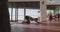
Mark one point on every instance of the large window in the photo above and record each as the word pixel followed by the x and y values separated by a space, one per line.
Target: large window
pixel 16 14
pixel 10 12
pixel 57 12
pixel 50 12
pixel 13 15
pixel 20 14
pixel 33 12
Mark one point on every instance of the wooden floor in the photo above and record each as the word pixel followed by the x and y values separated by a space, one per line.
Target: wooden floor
pixel 43 27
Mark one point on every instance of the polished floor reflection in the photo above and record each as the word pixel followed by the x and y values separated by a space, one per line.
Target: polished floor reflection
pixel 43 27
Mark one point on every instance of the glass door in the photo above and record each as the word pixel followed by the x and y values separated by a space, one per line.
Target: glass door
pixel 20 14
